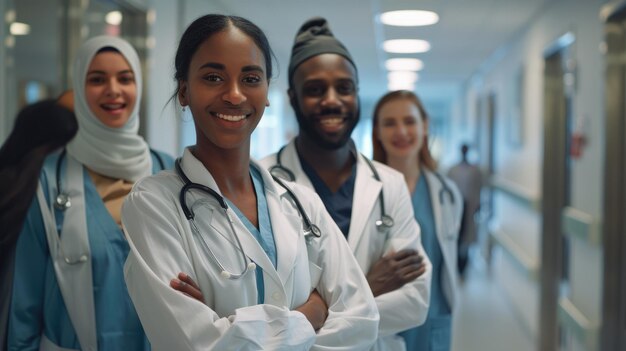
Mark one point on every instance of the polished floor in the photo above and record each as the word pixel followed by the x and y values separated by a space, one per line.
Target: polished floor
pixel 485 321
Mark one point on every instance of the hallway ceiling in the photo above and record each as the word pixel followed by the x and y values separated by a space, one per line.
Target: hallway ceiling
pixel 468 32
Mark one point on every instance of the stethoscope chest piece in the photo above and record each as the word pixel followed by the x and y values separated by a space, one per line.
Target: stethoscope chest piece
pixel 385 222
pixel 62 202
pixel 313 230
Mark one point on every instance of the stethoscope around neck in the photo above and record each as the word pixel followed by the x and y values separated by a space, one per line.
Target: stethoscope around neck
pixel 448 217
pixel 309 227
pixel 63 201
pixel 384 223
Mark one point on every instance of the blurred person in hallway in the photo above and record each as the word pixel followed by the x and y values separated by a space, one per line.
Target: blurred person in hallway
pixel 368 200
pixel 70 253
pixel 468 179
pixel 400 140
pixel 39 130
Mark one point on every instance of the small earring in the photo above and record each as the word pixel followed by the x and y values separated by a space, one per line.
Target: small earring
pixel 267 103
pixel 183 109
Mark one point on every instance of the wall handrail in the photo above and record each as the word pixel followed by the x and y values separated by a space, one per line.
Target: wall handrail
pixel 582 225
pixel 516 192
pixel 579 325
pixel 529 265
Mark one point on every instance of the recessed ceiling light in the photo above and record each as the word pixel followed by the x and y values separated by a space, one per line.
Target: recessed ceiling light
pixel 404 64
pixel 409 18
pixel 402 76
pixel 113 18
pixel 18 28
pixel 406 46
pixel 401 86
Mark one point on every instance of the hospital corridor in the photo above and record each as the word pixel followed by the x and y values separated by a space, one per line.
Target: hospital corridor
pixel 410 175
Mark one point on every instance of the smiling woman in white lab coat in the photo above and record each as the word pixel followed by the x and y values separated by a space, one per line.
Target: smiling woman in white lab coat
pixel 237 232
pixel 400 138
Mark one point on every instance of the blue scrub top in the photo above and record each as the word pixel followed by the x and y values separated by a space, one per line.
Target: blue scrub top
pixel 338 204
pixel 37 305
pixel 264 234
pixel 435 333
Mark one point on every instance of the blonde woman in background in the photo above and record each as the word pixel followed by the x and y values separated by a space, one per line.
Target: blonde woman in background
pixel 400 140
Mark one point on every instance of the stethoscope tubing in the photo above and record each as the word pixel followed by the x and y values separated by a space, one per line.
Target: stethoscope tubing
pixel 63 200
pixel 384 223
pixel 189 185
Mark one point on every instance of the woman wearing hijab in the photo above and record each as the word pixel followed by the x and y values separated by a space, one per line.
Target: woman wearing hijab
pixel 69 290
pixel 400 139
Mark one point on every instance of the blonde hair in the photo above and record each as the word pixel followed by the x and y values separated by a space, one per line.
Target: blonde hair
pixel 380 155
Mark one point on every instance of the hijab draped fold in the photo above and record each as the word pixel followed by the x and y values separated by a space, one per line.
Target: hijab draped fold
pixel 118 153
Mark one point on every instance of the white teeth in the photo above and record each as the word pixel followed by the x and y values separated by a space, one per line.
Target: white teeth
pixel 112 106
pixel 331 121
pixel 230 118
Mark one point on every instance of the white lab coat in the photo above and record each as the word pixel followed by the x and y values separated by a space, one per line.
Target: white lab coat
pixel 447 224
pixel 163 244
pixel 403 308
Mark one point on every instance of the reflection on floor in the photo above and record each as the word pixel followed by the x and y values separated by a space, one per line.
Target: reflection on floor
pixel 485 321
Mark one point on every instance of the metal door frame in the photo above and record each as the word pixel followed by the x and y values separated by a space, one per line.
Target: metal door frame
pixel 553 192
pixel 613 329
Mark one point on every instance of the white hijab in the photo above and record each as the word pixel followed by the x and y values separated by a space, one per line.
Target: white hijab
pixel 114 152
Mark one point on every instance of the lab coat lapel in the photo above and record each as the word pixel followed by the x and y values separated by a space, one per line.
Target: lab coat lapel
pixel 291 160
pixel 286 228
pixel 435 187
pixel 365 197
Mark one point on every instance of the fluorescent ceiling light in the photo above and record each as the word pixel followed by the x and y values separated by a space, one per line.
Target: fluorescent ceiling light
pixel 409 18
pixel 18 28
pixel 400 86
pixel 404 64
pixel 113 18
pixel 406 46
pixel 402 76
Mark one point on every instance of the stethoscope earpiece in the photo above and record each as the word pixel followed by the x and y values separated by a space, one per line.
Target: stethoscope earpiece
pixel 225 275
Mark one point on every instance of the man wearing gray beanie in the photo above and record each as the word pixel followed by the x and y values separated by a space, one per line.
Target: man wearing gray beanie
pixel 368 201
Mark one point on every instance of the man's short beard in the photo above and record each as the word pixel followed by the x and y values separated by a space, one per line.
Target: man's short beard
pixel 310 131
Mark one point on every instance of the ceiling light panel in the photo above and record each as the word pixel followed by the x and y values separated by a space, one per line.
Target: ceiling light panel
pixel 402 76
pixel 18 28
pixel 114 18
pixel 404 64
pixel 391 86
pixel 406 46
pixel 409 18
